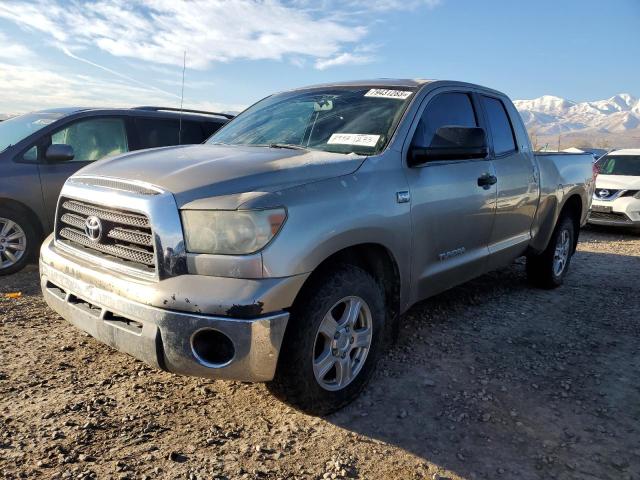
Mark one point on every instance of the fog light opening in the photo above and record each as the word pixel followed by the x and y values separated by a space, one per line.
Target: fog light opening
pixel 212 348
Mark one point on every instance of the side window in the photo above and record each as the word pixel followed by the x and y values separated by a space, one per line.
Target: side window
pixel 94 138
pixel 501 129
pixel 31 155
pixel 447 109
pixel 157 133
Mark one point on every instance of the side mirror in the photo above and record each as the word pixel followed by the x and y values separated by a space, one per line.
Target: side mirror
pixel 59 152
pixel 452 143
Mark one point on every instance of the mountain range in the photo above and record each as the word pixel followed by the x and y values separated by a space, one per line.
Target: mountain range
pixel 614 122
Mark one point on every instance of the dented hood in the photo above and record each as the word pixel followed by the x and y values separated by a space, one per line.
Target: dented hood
pixel 196 172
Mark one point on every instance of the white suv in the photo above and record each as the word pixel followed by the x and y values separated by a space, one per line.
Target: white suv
pixel 616 200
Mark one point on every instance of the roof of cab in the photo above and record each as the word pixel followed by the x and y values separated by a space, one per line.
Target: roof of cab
pixel 377 82
pixel 396 82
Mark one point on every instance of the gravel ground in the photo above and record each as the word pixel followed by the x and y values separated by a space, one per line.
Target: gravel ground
pixel 493 379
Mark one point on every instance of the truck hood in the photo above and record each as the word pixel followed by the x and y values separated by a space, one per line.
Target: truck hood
pixel 618 182
pixel 195 172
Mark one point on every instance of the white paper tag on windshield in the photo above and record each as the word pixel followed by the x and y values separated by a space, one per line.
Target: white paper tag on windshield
pixel 387 93
pixel 354 139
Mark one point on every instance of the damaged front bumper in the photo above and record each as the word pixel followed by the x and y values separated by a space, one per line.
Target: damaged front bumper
pixel 159 322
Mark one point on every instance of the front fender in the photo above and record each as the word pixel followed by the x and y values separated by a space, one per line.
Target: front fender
pixel 326 217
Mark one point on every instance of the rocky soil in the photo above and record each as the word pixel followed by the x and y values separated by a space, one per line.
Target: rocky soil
pixel 493 379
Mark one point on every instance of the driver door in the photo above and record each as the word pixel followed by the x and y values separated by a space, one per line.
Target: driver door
pixel 452 209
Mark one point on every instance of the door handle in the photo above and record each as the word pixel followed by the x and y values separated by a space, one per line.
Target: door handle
pixel 485 181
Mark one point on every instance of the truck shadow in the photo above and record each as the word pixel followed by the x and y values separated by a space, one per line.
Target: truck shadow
pixel 496 378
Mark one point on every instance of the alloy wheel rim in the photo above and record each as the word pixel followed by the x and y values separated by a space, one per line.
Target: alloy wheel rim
pixel 342 343
pixel 13 243
pixel 561 254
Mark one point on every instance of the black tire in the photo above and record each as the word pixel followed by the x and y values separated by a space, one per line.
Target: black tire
pixel 541 270
pixel 31 241
pixel 295 382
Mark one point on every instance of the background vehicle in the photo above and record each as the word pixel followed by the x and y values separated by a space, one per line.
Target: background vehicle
pixel 39 150
pixel 285 248
pixel 616 201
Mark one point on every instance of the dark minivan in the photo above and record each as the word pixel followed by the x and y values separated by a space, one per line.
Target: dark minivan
pixel 40 150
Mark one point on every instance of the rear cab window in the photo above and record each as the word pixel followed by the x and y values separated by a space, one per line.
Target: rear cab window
pixel 500 124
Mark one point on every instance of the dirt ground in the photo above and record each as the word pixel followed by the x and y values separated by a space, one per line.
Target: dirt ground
pixel 493 379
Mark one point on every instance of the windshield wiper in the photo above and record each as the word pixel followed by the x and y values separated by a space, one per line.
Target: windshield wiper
pixel 287 145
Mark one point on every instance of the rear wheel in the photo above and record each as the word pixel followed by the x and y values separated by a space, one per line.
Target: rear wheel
pixel 548 269
pixel 332 342
pixel 17 241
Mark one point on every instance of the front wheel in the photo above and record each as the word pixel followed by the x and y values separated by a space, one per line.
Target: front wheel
pixel 332 342
pixel 548 269
pixel 17 241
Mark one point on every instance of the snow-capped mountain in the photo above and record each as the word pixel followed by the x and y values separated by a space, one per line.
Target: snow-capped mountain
pixel 550 115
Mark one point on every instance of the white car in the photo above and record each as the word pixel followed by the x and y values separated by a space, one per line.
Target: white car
pixel 616 200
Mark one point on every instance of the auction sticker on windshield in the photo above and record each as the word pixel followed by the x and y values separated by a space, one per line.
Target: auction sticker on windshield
pixel 387 93
pixel 354 139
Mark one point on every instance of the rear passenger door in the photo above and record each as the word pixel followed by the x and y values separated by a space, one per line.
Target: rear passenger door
pixel 518 191
pixel 451 213
pixel 165 132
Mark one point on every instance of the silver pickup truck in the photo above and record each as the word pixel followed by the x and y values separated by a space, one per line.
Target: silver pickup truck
pixel 286 248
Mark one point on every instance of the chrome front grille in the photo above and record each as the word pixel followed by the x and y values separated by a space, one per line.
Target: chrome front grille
pixel 111 215
pixel 611 216
pixel 121 236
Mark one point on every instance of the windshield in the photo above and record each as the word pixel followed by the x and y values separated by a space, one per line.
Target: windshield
pixel 619 165
pixel 336 119
pixel 20 127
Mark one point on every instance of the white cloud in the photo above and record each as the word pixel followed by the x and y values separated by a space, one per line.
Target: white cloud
pixel 159 31
pixel 210 30
pixel 35 88
pixel 153 35
pixel 343 59
pixel 14 51
pixel 360 7
pixel 386 5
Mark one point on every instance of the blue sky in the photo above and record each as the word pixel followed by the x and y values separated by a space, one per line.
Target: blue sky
pixel 129 52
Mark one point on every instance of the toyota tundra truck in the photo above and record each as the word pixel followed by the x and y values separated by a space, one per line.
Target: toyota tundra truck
pixel 286 248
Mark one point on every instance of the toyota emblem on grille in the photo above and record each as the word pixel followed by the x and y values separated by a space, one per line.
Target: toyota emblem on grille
pixel 93 228
pixel 604 193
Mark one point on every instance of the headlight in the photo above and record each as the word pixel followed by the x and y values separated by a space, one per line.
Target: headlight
pixel 227 232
